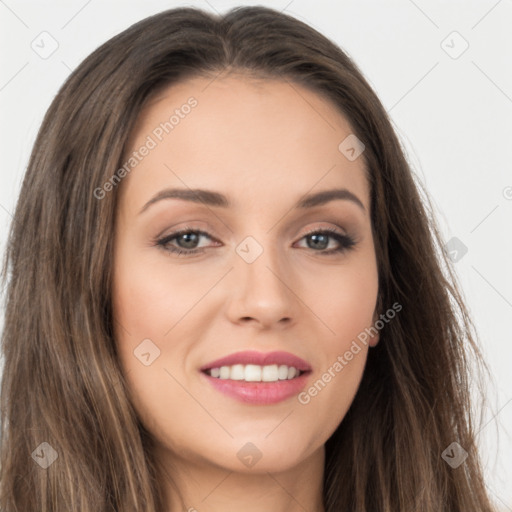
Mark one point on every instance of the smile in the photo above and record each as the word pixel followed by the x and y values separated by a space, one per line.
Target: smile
pixel 255 373
pixel 258 378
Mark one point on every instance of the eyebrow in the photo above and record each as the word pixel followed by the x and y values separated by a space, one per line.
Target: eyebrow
pixel 211 198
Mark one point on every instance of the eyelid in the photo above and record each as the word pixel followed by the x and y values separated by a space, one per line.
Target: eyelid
pixel 330 229
pixel 181 231
pixel 206 232
pixel 344 241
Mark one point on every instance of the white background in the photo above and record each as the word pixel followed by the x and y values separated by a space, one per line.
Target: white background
pixel 453 115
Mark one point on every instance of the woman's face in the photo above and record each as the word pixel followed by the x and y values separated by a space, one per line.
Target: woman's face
pixel 258 273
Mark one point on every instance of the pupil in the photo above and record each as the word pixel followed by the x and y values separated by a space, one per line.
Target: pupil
pixel 314 239
pixel 188 241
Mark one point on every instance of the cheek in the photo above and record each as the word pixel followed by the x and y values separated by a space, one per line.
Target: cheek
pixel 344 300
pixel 146 307
pixel 159 303
pixel 148 302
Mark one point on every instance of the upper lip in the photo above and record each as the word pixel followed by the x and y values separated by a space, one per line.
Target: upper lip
pixel 259 358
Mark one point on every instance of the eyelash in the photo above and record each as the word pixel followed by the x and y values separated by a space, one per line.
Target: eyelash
pixel 346 242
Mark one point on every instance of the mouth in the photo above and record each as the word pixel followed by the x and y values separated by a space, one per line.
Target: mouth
pixel 258 378
pixel 255 373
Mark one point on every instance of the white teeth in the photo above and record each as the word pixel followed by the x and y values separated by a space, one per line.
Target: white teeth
pixel 255 373
pixel 283 372
pixel 237 372
pixel 270 373
pixel 252 373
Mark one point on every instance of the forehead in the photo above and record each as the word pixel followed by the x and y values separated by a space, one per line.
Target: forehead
pixel 248 137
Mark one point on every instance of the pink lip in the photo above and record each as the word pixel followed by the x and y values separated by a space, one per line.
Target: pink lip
pixel 263 393
pixel 259 358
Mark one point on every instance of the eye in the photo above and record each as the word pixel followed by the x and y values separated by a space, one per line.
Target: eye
pixel 186 241
pixel 319 239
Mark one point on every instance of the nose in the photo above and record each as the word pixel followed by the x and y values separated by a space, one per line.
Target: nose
pixel 262 292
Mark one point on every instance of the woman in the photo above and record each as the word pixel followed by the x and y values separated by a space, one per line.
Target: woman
pixel 225 291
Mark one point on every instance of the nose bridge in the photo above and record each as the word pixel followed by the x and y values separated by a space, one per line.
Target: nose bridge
pixel 261 289
pixel 259 261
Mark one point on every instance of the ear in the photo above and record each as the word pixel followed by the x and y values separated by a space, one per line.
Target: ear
pixel 372 342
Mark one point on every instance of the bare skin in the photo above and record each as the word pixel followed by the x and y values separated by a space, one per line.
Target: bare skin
pixel 264 145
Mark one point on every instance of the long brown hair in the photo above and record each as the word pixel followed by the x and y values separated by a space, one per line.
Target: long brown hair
pixel 62 384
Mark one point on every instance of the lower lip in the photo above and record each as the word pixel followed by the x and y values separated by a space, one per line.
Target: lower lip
pixel 263 393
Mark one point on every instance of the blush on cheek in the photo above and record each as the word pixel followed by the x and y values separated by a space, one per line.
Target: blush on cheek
pixel 348 315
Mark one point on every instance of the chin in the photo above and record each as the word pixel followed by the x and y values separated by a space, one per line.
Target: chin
pixel 261 455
